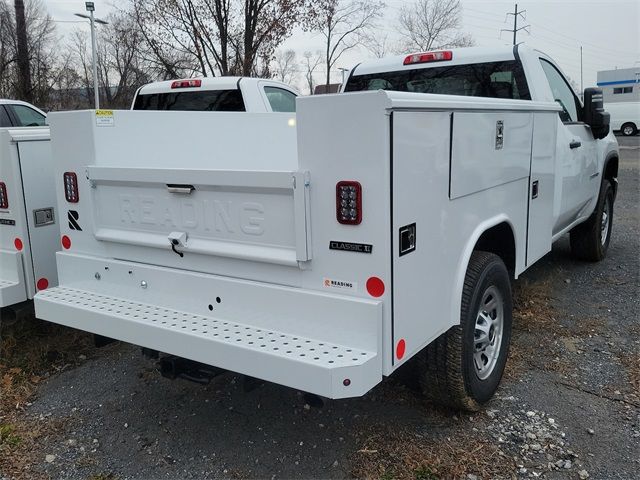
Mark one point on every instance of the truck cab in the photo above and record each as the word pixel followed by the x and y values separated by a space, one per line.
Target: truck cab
pixel 221 94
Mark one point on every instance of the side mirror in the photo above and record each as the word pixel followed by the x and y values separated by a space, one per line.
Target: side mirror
pixel 594 114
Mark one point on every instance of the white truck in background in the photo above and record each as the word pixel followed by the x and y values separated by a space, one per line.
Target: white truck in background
pixel 323 251
pixel 29 218
pixel 217 94
pixel 625 117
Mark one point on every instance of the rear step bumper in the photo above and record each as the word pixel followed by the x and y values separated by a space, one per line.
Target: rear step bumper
pixel 12 287
pixel 320 343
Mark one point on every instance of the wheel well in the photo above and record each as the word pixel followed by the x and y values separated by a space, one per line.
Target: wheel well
pixel 500 241
pixel 611 172
pixel 611 169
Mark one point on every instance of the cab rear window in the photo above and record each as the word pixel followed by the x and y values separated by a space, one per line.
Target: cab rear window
pixel 494 79
pixel 193 101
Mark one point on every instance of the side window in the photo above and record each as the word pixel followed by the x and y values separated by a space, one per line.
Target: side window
pixel 281 100
pixel 562 93
pixel 28 117
pixel 5 121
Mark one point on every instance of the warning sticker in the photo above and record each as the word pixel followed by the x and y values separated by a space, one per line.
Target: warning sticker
pixel 104 118
pixel 340 284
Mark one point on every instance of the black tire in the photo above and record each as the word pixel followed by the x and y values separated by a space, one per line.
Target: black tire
pixel 446 369
pixel 629 129
pixel 586 239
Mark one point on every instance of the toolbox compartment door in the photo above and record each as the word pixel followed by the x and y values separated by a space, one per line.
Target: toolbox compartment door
pixel 41 212
pixel 251 215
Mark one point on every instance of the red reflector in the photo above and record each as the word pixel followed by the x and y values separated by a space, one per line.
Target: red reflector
pixel 401 347
pixel 426 57
pixel 4 196
pixel 375 287
pixel 66 242
pixel 18 244
pixel 349 203
pixel 186 83
pixel 42 284
pixel 71 187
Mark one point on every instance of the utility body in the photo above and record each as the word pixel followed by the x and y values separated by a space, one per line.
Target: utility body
pixel 29 223
pixel 324 250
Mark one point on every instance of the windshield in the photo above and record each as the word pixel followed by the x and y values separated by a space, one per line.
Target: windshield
pixel 495 79
pixel 199 101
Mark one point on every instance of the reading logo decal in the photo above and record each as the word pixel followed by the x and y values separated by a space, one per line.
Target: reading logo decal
pixel 339 284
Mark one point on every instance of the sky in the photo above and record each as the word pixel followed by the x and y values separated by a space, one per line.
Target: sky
pixel 608 31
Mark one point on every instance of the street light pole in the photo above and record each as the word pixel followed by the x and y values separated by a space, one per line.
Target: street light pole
pixel 94 49
pixel 94 54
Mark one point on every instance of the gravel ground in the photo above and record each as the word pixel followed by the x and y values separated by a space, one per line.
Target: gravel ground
pixel 568 407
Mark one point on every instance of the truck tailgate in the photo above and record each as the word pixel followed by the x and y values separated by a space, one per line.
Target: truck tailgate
pixel 251 215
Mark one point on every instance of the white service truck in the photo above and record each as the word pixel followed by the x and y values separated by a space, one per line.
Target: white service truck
pixel 323 251
pixel 29 218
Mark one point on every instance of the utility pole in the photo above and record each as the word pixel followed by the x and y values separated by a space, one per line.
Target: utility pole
pixel 94 51
pixel 515 30
pixel 25 91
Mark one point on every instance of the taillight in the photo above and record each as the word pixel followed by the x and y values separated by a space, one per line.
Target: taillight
pixel 4 196
pixel 187 83
pixel 426 57
pixel 71 187
pixel 349 203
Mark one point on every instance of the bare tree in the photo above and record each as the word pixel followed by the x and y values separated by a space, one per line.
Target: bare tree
pixel 377 44
pixel 27 60
pixel 344 24
pixel 286 66
pixel 432 24
pixel 213 37
pixel 310 63
pixel 23 90
pixel 122 68
pixel 174 43
pixel 7 56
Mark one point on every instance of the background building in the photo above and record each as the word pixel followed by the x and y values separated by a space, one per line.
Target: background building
pixel 620 85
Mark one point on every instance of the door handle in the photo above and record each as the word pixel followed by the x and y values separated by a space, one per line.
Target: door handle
pixel 575 144
pixel 180 189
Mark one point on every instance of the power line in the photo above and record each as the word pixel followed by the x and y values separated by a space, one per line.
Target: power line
pixel 516 29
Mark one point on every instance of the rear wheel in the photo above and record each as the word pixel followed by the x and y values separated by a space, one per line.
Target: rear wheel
pixel 590 240
pixel 629 129
pixel 463 367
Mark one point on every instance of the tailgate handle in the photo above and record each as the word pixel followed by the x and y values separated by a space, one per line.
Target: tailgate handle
pixel 180 188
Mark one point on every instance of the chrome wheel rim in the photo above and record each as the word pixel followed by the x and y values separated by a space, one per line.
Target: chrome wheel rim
pixel 488 332
pixel 604 222
pixel 627 130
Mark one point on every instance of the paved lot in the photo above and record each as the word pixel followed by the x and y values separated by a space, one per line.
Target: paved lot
pixel 568 407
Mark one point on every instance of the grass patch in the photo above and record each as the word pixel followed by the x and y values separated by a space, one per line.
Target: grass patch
pixel 31 350
pixel 402 455
pixel 8 437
